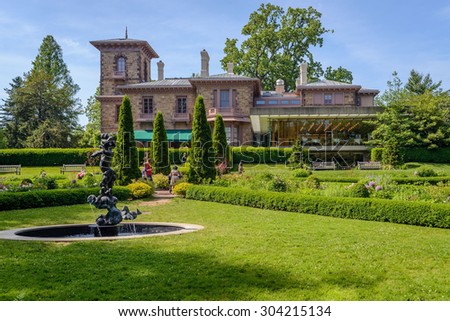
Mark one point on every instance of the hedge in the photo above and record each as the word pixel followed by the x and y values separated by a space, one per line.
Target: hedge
pixel 421 155
pixel 57 197
pixel 402 212
pixel 43 157
pixel 399 180
pixel 248 154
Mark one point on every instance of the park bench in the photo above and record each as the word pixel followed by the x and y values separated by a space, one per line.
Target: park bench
pixel 10 169
pixel 369 165
pixel 323 165
pixel 73 168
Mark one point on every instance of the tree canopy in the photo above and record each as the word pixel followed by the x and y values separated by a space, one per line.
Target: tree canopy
pixel 277 42
pixel 41 109
pixel 413 117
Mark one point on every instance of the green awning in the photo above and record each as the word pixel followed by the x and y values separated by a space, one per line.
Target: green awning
pixel 173 135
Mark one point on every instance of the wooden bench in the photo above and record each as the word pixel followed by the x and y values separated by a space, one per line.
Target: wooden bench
pixel 323 165
pixel 10 169
pixel 369 165
pixel 73 168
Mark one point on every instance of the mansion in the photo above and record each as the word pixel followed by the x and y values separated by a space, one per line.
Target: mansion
pixel 327 116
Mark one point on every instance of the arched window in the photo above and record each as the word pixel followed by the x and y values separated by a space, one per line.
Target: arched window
pixel 121 65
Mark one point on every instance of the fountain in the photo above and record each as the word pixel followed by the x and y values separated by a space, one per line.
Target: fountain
pixel 106 227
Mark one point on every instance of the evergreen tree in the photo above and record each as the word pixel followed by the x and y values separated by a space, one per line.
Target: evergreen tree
pixel 125 162
pixel 420 84
pixel 160 146
pixel 296 158
pixel 13 118
pixel 220 145
pixel 201 156
pixel 42 109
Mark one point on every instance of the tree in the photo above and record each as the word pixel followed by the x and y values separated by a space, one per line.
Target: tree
pixel 160 146
pixel 340 74
pixel 412 119
pixel 220 145
pixel 277 42
pixel 92 132
pixel 201 156
pixel 13 120
pixel 42 109
pixel 420 84
pixel 125 162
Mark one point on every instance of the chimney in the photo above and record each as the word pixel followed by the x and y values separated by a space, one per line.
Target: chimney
pixel 279 89
pixel 205 64
pixel 303 73
pixel 230 66
pixel 160 70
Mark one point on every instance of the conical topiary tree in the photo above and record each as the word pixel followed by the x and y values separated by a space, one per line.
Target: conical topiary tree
pixel 160 146
pixel 220 145
pixel 125 162
pixel 201 156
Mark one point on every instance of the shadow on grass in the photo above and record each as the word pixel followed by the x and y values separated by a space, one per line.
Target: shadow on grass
pixel 104 272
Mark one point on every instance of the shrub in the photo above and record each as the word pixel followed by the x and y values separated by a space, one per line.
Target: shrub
pixel 90 180
pixel 277 184
pixel 426 171
pixel 402 212
pixel 181 188
pixel 161 181
pixel 411 165
pixel 140 190
pixel 46 182
pixel 376 154
pixel 48 198
pixel 358 190
pixel 300 172
pixel 312 182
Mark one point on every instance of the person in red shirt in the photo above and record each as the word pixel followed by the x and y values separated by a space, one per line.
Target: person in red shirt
pixel 148 170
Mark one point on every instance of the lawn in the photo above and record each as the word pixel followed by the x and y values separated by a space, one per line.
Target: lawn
pixel 242 254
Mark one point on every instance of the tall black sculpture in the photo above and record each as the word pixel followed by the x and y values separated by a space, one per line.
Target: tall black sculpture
pixel 106 199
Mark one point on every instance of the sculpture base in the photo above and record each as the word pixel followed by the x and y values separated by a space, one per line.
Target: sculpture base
pixel 104 230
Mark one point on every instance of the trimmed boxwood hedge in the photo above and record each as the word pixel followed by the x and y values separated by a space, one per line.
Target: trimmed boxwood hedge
pixel 421 155
pixel 44 157
pixel 56 197
pixel 402 212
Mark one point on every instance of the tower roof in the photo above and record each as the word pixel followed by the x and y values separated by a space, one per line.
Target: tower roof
pixel 125 43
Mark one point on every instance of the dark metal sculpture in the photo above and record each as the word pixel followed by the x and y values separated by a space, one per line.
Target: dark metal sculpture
pixel 106 200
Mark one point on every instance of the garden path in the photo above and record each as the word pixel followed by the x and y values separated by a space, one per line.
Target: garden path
pixel 160 197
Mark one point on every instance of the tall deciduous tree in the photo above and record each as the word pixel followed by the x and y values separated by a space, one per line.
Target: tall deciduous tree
pixel 125 162
pixel 277 42
pixel 160 146
pixel 220 145
pixel 93 112
pixel 46 101
pixel 340 74
pixel 201 156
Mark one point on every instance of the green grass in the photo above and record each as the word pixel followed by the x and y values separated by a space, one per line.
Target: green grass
pixel 242 254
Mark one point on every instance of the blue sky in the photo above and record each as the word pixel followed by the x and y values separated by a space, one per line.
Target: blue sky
pixel 371 38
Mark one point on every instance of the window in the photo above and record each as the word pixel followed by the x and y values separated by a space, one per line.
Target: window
pixel 327 99
pixel 147 105
pixel 296 102
pixel 317 99
pixel 273 102
pixel 285 102
pixel 181 105
pixel 121 65
pixel 260 102
pixel 228 133
pixel 224 98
